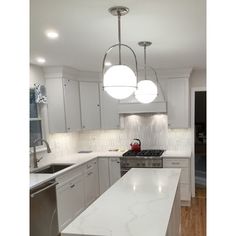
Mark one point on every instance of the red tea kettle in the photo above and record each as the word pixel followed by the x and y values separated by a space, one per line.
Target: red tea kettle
pixel 136 145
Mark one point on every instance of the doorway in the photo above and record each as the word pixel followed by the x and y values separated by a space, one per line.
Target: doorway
pixel 200 138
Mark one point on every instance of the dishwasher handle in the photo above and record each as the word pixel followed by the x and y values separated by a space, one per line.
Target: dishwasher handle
pixel 43 189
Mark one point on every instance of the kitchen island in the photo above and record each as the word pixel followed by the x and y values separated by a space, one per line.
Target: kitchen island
pixel 142 202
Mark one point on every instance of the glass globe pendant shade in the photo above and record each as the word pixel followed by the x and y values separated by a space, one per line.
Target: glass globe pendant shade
pixel 119 81
pixel 146 92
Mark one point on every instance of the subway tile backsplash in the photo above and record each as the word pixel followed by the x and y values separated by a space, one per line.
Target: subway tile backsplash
pixel 152 130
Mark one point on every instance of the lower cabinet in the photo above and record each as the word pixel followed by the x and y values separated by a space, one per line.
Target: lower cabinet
pixel 114 169
pixel 91 182
pixel 104 176
pixel 70 200
pixel 109 172
pixel 79 187
pixel 185 183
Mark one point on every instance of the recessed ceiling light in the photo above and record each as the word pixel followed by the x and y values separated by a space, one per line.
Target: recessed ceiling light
pixel 40 60
pixel 108 63
pixel 52 34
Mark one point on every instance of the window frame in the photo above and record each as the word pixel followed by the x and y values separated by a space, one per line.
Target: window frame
pixel 38 118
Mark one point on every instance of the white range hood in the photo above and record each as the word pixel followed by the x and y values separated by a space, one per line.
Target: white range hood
pixel 132 106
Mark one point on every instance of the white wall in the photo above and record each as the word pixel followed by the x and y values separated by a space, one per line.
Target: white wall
pixel 36 75
pixel 198 78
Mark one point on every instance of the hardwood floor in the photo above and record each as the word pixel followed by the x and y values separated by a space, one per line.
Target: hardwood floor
pixel 193 219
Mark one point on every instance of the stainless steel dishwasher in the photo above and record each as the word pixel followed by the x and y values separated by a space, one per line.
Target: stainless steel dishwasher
pixel 43 210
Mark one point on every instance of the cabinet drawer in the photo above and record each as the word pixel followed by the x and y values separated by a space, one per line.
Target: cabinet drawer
pixel 185 176
pixel 90 165
pixel 64 178
pixel 185 192
pixel 175 163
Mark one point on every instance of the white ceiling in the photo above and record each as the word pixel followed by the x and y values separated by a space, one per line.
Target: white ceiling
pixel 177 29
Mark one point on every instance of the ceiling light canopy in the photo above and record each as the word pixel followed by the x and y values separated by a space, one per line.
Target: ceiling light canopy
pixel 52 34
pixel 119 81
pixel 147 89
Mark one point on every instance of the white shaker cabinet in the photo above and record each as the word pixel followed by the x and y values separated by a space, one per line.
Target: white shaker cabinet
pixel 178 102
pixel 114 169
pixel 90 105
pixel 91 182
pixel 109 172
pixel 70 201
pixel 103 171
pixel 72 105
pixel 63 105
pixel 109 111
pixel 185 183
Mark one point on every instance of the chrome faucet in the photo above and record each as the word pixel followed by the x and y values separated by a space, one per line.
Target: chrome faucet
pixel 35 160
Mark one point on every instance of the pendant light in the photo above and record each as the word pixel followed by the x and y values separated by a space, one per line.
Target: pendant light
pixel 147 89
pixel 119 80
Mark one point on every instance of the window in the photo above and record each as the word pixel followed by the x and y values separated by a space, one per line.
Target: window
pixel 35 120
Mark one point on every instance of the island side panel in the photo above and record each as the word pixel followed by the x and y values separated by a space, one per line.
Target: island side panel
pixel 174 226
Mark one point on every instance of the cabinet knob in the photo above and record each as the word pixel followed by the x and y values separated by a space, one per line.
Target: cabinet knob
pixel 68 128
pixel 72 186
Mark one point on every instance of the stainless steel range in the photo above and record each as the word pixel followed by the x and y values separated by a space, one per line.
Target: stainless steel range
pixel 144 159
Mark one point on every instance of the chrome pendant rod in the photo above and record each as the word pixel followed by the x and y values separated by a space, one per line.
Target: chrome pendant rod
pixel 145 44
pixel 145 63
pixel 119 36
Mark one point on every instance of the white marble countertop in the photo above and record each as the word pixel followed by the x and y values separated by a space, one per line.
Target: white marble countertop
pixel 81 158
pixel 138 204
pixel 76 159
pixel 177 154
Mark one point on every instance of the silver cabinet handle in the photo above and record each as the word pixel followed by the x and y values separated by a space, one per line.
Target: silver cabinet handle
pixel 72 186
pixel 90 173
pixel 89 166
pixel 43 189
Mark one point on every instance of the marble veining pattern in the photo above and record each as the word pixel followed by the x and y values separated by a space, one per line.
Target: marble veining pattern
pixel 138 204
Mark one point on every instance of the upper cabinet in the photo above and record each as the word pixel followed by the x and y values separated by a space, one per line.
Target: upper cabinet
pixel 72 104
pixel 90 105
pixel 178 102
pixel 109 111
pixel 63 105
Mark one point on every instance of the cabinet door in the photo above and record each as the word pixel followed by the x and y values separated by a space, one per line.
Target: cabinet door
pixel 70 201
pixel 91 183
pixel 103 171
pixel 56 111
pixel 114 167
pixel 90 106
pixel 184 164
pixel 109 111
pixel 178 103
pixel 72 105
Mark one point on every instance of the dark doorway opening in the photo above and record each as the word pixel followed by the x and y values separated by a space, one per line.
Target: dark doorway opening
pixel 200 138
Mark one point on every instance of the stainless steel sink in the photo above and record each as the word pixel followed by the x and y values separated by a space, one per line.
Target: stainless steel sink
pixel 50 169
